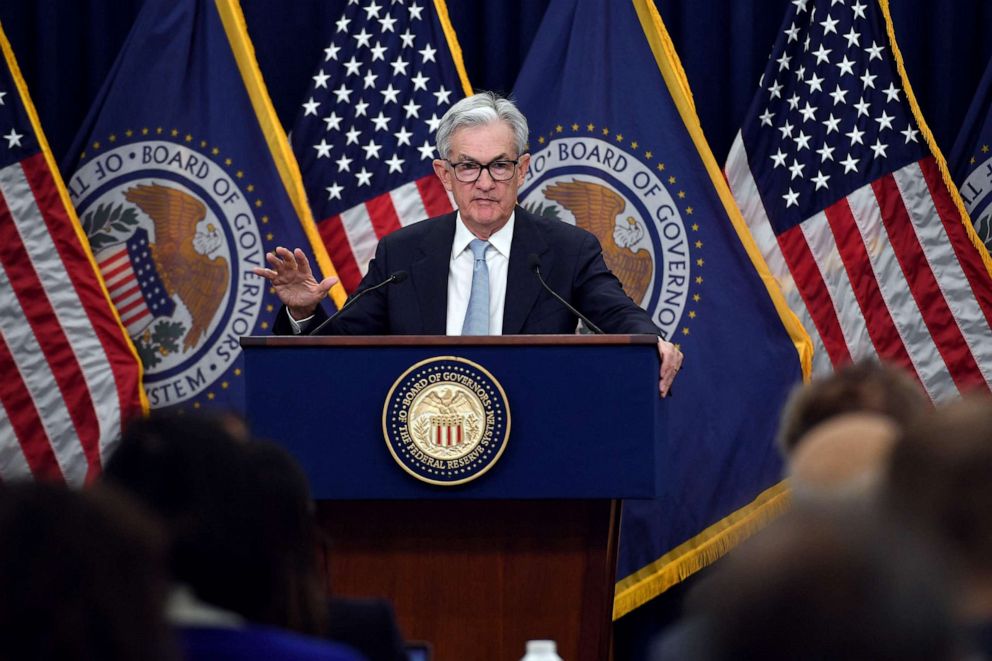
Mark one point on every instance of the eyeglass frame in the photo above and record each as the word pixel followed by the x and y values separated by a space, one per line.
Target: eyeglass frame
pixel 483 166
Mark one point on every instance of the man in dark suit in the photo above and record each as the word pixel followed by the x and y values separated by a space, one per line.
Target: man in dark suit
pixel 470 272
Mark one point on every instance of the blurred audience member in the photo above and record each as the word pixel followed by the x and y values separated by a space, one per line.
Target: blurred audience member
pixel 940 483
pixel 819 585
pixel 832 579
pixel 285 541
pixel 284 513
pixel 842 460
pixel 866 386
pixel 82 576
pixel 242 551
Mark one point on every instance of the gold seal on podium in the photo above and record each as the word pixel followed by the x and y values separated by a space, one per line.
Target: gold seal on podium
pixel 446 420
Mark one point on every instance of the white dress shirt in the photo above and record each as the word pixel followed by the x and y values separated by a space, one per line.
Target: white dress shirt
pixel 460 268
pixel 460 275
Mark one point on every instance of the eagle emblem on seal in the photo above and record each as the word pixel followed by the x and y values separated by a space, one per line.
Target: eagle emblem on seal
pixel 596 208
pixel 184 255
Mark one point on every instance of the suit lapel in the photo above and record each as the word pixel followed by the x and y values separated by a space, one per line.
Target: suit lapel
pixel 522 286
pixel 430 274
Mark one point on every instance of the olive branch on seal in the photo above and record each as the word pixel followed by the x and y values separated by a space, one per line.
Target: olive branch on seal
pixel 421 430
pixel 471 426
pixel 158 341
pixel 105 223
pixel 983 228
pixel 545 210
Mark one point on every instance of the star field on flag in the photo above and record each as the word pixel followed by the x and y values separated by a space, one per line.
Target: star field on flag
pixel 365 135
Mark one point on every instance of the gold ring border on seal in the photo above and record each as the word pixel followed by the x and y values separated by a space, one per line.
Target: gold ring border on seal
pixel 385 419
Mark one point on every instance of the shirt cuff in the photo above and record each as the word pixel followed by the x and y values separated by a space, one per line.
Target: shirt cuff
pixel 300 326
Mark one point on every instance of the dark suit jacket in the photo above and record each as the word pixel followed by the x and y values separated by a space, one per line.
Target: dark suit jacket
pixel 571 262
pixel 366 625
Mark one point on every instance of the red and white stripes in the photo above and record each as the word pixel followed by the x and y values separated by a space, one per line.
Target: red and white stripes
pixel 886 272
pixel 351 237
pixel 122 284
pixel 69 375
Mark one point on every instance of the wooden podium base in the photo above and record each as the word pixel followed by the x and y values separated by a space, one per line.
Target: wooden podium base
pixel 477 579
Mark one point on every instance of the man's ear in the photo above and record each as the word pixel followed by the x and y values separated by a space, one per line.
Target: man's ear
pixel 443 173
pixel 522 167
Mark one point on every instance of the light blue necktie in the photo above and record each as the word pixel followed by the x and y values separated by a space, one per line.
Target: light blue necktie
pixel 477 316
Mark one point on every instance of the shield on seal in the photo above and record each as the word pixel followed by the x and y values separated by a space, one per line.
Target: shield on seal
pixel 134 283
pixel 447 430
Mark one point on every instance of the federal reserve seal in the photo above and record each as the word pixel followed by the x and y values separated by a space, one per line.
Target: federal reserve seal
pixel 175 228
pixel 620 191
pixel 446 420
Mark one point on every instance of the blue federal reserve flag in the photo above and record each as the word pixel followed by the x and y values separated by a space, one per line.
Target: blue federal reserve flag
pixel 970 161
pixel 183 179
pixel 617 149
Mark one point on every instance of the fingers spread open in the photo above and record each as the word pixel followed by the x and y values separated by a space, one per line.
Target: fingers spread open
pixel 302 263
pixel 268 274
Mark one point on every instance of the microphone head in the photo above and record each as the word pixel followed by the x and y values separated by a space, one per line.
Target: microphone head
pixel 533 262
pixel 399 276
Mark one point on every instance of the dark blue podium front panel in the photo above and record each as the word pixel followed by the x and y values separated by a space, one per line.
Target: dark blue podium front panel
pixel 584 418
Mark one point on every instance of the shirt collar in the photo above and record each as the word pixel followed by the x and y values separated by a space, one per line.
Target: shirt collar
pixel 500 240
pixel 183 608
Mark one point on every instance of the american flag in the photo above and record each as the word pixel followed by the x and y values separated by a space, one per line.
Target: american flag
pixel 365 137
pixel 837 176
pixel 69 373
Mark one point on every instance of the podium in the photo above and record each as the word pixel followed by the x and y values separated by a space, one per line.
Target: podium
pixel 526 549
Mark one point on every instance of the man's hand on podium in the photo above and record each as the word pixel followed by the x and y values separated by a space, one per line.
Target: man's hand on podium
pixel 671 363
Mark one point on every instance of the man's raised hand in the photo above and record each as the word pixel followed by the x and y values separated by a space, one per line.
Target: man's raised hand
pixel 294 282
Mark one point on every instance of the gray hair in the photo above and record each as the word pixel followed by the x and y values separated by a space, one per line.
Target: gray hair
pixel 478 109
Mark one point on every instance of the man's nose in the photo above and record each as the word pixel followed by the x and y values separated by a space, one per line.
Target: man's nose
pixel 485 180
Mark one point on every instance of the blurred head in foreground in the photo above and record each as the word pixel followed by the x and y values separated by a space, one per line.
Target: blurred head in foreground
pixel 82 576
pixel 820 585
pixel 842 460
pixel 865 386
pixel 940 483
pixel 238 514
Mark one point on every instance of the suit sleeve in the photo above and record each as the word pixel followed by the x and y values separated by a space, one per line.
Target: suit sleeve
pixel 599 295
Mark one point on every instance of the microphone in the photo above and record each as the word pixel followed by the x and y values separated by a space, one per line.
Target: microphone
pixel 395 277
pixel 535 265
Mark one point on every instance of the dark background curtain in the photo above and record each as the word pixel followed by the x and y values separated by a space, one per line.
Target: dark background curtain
pixel 66 48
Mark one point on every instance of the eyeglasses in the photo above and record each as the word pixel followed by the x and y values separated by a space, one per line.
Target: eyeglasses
pixel 468 172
